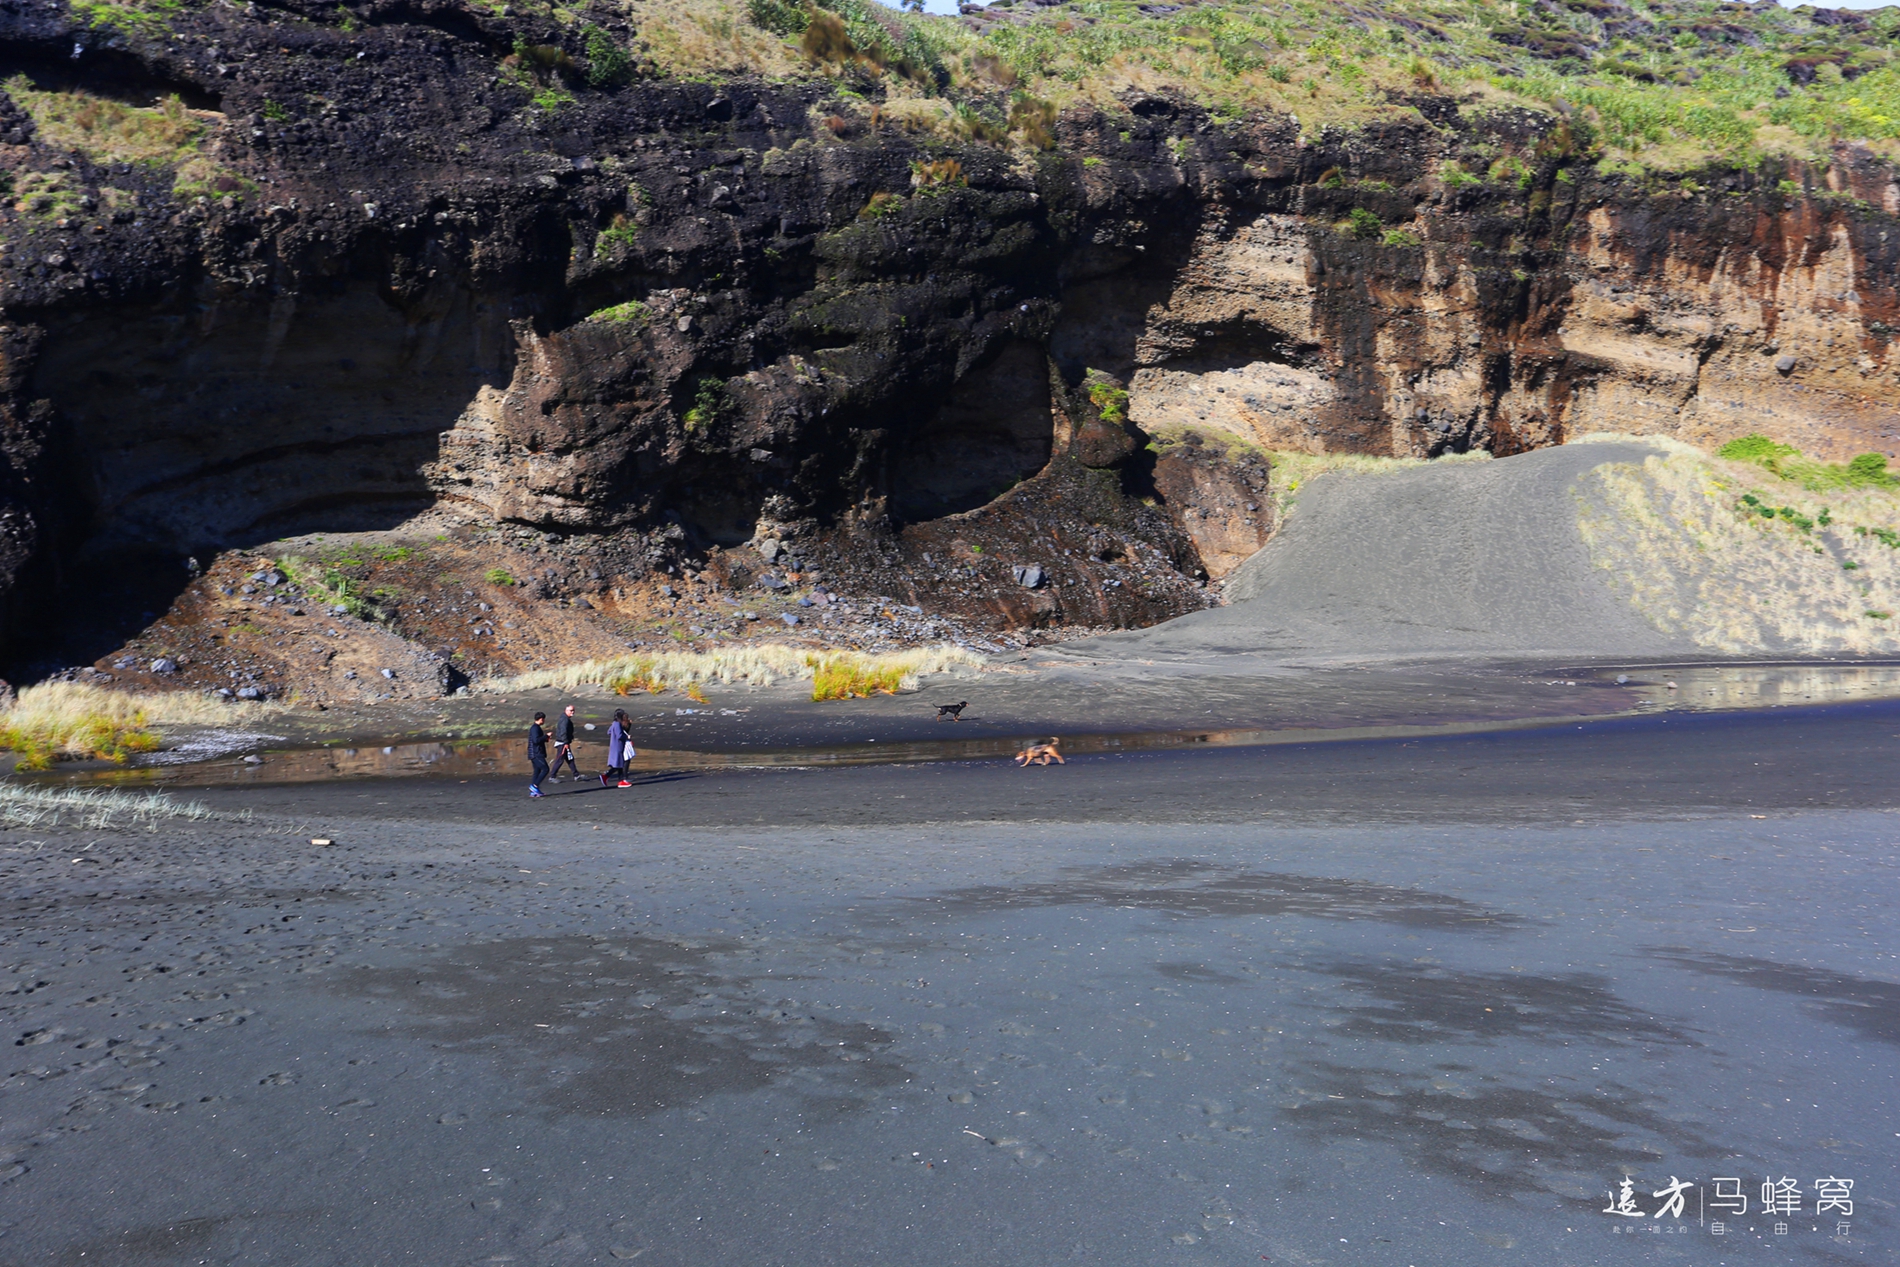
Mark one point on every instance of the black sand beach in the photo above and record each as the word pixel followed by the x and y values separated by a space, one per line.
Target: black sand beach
pixel 1404 1001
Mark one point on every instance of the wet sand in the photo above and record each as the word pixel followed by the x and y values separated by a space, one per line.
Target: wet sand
pixel 1093 707
pixel 1397 1001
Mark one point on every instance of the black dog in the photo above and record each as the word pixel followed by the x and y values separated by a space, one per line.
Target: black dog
pixel 953 711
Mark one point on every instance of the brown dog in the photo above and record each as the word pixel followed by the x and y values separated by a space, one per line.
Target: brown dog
pixel 1041 754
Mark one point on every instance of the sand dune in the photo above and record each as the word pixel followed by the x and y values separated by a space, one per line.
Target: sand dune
pixel 1620 548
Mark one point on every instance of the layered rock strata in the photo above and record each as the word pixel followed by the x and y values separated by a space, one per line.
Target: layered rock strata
pixel 384 271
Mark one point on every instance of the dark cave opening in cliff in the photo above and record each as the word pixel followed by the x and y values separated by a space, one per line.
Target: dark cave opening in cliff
pixel 213 424
pixel 993 431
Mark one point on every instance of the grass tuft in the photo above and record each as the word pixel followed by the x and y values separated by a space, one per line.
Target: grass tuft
pixel 687 671
pixel 107 130
pixel 55 720
pixel 24 806
pixel 856 677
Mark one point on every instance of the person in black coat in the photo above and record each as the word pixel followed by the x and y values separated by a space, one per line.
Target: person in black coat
pixel 537 753
pixel 564 743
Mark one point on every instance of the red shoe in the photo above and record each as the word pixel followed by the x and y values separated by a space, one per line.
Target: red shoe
pixel 624 783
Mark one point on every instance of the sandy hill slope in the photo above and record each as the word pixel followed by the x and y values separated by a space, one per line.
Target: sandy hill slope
pixel 1616 549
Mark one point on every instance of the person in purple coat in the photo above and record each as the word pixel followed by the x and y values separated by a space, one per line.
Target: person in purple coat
pixel 619 748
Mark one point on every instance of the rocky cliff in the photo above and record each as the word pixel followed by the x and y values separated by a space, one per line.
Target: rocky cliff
pixel 306 267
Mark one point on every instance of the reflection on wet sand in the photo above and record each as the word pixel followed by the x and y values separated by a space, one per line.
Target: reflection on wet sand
pixel 1636 689
pixel 1719 688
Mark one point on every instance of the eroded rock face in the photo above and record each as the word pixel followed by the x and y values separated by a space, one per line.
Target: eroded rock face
pixel 671 312
pixel 1222 499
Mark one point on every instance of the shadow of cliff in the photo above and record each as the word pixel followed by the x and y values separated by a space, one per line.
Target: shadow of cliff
pixel 212 423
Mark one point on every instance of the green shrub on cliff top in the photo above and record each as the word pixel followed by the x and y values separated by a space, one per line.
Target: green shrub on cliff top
pixel 148 18
pixel 1671 92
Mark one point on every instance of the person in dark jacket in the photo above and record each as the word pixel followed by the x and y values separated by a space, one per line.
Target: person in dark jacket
pixel 564 743
pixel 538 753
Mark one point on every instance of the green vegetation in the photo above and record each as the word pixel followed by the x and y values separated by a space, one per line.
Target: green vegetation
pixel 54 720
pixel 44 194
pixel 544 72
pixel 1756 448
pixel 1399 237
pixel 1361 223
pixel 499 576
pixel 1868 470
pixel 328 584
pixel 1108 396
pixel 881 205
pixel 708 403
pixel 110 131
pixel 1885 536
pixel 199 177
pixel 620 231
pixel 608 64
pixel 94 736
pixel 854 677
pixel 633 312
pixel 1753 505
pixel 147 18
pixel 1668 87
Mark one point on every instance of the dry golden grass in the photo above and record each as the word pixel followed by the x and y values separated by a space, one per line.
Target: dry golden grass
pixel 692 37
pixel 1697 560
pixel 1291 470
pixel 72 719
pixel 691 671
pixel 854 677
